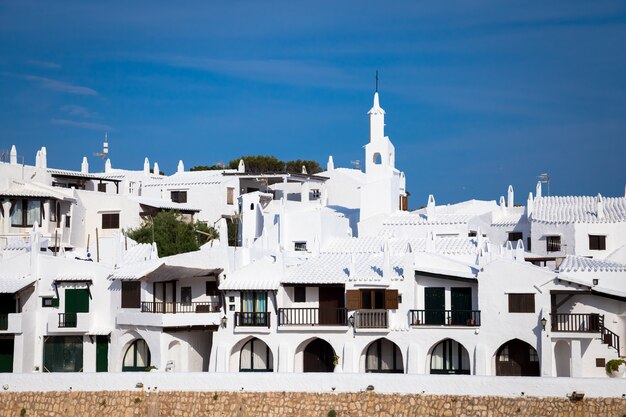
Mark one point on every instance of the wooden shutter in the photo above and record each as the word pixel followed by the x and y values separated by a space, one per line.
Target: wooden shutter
pixel 353 299
pixel 391 299
pixel 131 294
pixel 521 303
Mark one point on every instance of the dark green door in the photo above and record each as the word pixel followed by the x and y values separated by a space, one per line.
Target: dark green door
pixel 76 301
pixel 102 353
pixel 461 304
pixel 435 305
pixel 6 354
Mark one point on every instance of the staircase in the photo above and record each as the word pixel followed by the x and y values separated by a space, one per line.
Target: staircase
pixel 608 337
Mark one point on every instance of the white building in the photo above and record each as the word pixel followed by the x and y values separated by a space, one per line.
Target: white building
pixel 330 273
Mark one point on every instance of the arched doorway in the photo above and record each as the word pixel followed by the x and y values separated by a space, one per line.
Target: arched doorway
pixel 517 358
pixel 449 357
pixel 318 356
pixel 256 356
pixel 137 357
pixel 383 356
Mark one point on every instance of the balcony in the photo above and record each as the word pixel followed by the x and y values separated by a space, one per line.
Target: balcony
pixel 11 323
pixel 174 308
pixel 69 322
pixel 312 317
pixel 371 319
pixel 469 318
pixel 577 323
pixel 246 319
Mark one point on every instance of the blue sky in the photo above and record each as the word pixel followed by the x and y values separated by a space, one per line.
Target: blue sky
pixel 478 94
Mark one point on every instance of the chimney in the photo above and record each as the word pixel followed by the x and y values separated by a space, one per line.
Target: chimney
pixel 430 208
pixel 538 190
pixel 181 166
pixel 600 206
pixel 44 158
pixel 146 166
pixel 107 165
pixel 242 166
pixel 156 170
pixel 510 197
pixel 84 167
pixel 529 205
pixel 304 170
pixel 330 165
pixel 13 155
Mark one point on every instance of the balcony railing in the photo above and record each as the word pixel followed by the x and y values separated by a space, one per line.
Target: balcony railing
pixel 371 319
pixel 312 317
pixel 252 319
pixel 68 320
pixel 4 321
pixel 444 317
pixel 583 323
pixel 553 245
pixel 172 307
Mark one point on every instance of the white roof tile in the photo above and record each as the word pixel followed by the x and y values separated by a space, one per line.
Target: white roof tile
pixel 577 209
pixel 165 204
pixel 447 245
pixel 512 217
pixel 262 274
pixel 573 263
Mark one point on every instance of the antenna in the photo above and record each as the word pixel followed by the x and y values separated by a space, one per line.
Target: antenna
pixel 545 179
pixel 105 147
pixel 356 164
pixel 377 81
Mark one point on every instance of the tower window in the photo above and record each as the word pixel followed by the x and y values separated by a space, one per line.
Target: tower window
pixel 377 158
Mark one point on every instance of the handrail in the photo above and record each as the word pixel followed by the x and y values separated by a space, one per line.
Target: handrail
pixel 577 322
pixel 312 316
pixel 371 319
pixel 68 320
pixel 252 319
pixel 175 307
pixel 469 318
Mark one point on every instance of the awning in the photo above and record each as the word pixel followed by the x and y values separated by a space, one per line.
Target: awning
pixel 169 272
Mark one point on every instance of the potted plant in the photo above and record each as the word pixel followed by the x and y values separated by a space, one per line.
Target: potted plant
pixel 336 361
pixel 615 367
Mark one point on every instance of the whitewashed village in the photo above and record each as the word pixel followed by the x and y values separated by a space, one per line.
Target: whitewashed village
pixel 328 272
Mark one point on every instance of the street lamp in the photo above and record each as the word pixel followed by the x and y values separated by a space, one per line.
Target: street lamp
pixel 351 320
pixel 543 323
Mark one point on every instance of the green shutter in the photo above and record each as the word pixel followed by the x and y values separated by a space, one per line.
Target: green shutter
pixel 102 353
pixel 77 300
pixel 435 304
pixel 6 355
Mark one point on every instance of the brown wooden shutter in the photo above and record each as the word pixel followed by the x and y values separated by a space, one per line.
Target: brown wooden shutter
pixel 521 303
pixel 391 299
pixel 131 294
pixel 353 299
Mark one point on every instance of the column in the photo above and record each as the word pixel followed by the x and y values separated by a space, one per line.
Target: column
pixel 577 359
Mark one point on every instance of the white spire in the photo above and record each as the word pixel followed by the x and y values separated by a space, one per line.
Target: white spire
pixel 84 167
pixel 156 170
pixel 13 155
pixel 502 203
pixel 304 170
pixel 181 166
pixel 38 159
pixel 600 203
pixel 242 166
pixel 330 165
pixel 510 197
pixel 146 166
pixel 107 165
pixel 44 158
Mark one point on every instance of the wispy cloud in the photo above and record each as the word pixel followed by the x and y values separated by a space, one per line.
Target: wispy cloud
pixel 44 64
pixel 56 85
pixel 279 71
pixel 83 125
pixel 78 111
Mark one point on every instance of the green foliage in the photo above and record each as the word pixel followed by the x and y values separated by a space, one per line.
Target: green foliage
pixel 207 167
pixel 268 164
pixel 613 365
pixel 22 412
pixel 137 400
pixel 331 413
pixel 172 235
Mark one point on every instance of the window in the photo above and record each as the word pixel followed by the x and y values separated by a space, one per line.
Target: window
pixel 256 356
pixel 377 159
pixel 299 294
pixel 515 236
pixel 137 357
pixel 472 233
pixel 102 187
pixel 110 220
pixel 230 195
pixel 299 246
pixel 372 299
pixel 449 357
pixel 597 242
pixel 253 309
pixel 521 303
pixel 383 356
pixel 55 211
pixel 49 302
pixel 179 196
pixel 315 194
pixel 211 288
pixel 131 294
pixel 185 295
pixel 553 243
pixel 63 354
pixel 68 221
pixel 528 243
pixel 26 212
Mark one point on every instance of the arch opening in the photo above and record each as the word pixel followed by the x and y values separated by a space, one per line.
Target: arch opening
pixel 256 356
pixel 137 357
pixel 318 356
pixel 449 357
pixel 517 358
pixel 383 356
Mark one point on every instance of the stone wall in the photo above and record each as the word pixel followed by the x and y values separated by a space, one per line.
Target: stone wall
pixel 274 404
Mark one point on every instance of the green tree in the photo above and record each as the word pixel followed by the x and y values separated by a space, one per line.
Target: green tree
pixel 295 166
pixel 259 163
pixel 173 235
pixel 207 168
